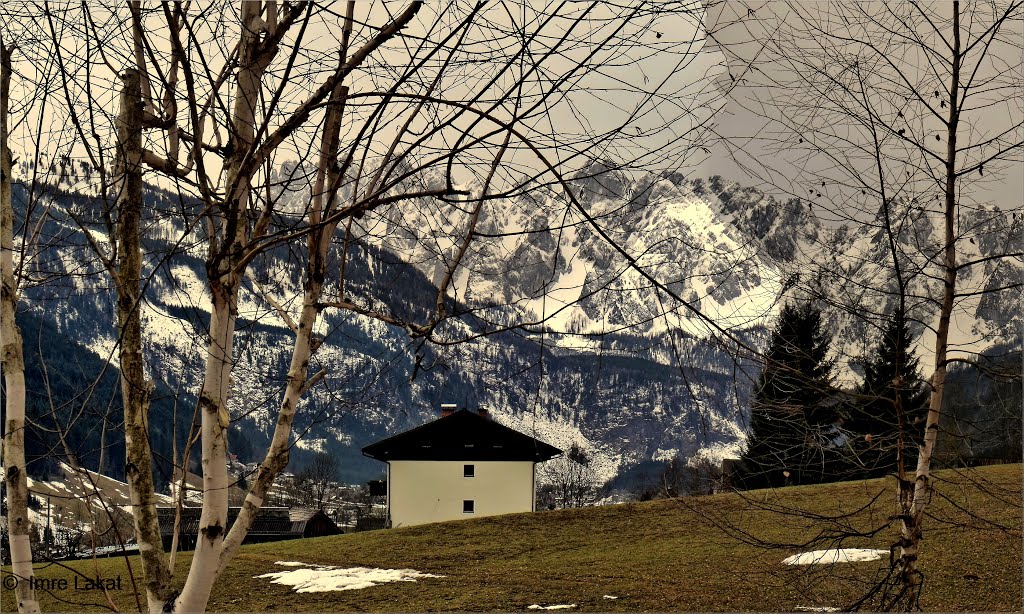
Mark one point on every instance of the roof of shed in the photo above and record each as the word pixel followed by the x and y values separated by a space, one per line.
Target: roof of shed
pixel 268 521
pixel 301 514
pixel 301 517
pixel 462 436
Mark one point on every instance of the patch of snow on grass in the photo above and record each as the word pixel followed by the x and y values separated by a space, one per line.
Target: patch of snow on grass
pixel 829 557
pixel 290 564
pixel 319 579
pixel 815 608
pixel 564 606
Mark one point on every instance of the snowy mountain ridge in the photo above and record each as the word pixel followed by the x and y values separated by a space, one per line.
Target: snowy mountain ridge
pixel 612 364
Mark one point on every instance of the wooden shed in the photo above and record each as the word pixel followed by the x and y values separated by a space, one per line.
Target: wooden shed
pixel 271 524
pixel 312 523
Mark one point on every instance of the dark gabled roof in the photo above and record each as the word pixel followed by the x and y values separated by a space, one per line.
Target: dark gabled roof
pixel 316 521
pixel 462 436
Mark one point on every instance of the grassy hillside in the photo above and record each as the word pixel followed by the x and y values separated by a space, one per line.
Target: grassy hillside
pixel 660 555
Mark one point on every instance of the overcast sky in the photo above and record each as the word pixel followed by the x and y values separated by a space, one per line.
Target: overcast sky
pixel 742 27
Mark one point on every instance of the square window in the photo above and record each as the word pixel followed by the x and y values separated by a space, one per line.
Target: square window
pixel 469 471
pixel 467 507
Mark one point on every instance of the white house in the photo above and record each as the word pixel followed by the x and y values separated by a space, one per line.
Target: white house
pixel 462 465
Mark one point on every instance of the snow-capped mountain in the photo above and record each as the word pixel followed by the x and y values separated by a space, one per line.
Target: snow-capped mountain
pixel 608 361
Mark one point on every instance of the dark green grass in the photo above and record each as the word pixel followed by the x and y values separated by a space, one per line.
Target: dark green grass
pixel 690 554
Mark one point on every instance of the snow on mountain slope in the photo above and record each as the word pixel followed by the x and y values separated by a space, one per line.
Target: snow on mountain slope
pixel 865 287
pixel 80 500
pixel 621 369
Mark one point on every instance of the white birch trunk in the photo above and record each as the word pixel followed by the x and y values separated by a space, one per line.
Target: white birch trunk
pixel 915 509
pixel 135 388
pixel 214 426
pixel 318 244
pixel 225 269
pixel 224 279
pixel 13 361
pixel 277 454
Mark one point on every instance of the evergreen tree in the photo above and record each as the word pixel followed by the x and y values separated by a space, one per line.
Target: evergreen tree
pixel 789 409
pixel 894 403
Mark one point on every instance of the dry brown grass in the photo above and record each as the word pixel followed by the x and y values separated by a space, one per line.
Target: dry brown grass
pixel 684 555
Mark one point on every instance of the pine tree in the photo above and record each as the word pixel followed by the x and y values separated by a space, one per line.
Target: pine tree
pixel 789 403
pixel 894 402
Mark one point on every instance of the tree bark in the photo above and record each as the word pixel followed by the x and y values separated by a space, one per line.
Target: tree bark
pixel 215 421
pixel 318 243
pixel 13 368
pixel 911 528
pixel 226 261
pixel 135 387
pixel 224 278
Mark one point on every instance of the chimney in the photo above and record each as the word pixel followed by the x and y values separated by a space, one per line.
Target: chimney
pixel 447 409
pixel 483 412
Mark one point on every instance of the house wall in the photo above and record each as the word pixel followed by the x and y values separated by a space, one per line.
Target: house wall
pixel 433 491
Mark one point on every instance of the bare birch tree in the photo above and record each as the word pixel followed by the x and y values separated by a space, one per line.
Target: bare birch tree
pixel 135 386
pixel 896 118
pixel 396 116
pixel 15 476
pixel 20 245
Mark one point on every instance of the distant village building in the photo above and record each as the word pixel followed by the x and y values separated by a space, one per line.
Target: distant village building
pixel 271 524
pixel 462 465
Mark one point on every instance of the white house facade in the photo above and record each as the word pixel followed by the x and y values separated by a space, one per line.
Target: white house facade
pixel 462 465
